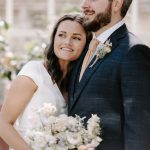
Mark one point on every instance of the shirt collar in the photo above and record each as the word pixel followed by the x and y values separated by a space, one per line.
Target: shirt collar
pixel 104 36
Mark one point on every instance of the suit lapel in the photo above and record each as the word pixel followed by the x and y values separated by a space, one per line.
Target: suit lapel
pixel 119 33
pixel 75 72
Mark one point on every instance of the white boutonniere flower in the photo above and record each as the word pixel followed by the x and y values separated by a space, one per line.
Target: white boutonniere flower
pixel 102 51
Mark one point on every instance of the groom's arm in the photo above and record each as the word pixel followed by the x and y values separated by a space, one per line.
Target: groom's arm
pixel 136 98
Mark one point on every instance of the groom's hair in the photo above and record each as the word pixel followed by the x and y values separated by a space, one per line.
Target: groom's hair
pixel 125 7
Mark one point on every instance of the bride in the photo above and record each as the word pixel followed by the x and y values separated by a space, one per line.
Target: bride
pixel 42 81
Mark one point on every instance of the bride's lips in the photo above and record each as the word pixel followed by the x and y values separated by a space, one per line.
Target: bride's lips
pixel 67 49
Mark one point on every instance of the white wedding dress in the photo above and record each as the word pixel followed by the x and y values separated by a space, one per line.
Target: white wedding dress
pixel 47 92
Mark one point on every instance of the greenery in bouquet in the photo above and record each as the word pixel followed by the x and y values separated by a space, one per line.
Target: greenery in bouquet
pixel 61 132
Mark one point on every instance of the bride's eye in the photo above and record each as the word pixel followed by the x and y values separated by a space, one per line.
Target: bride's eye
pixel 61 35
pixel 77 38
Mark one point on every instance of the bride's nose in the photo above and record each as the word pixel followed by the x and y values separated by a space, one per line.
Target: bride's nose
pixel 68 41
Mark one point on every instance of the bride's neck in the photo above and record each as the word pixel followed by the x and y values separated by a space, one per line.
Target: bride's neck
pixel 65 95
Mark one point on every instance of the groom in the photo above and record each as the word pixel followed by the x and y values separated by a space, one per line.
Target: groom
pixel 115 86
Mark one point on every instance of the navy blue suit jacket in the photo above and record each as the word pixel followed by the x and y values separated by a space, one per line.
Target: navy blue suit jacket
pixel 117 89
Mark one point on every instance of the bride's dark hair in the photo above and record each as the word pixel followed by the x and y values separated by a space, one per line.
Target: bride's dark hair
pixel 51 62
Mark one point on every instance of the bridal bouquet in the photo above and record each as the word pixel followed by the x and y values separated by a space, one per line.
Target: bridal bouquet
pixel 51 132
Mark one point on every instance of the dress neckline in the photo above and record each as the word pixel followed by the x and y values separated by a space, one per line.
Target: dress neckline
pixel 55 84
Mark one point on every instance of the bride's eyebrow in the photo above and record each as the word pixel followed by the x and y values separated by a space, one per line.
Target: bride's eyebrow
pixel 78 34
pixel 62 31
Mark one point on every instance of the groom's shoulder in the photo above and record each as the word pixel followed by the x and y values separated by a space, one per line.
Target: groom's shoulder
pixel 132 39
pixel 135 44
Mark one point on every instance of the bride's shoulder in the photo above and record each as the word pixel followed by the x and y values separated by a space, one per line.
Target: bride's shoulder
pixel 32 65
pixel 31 69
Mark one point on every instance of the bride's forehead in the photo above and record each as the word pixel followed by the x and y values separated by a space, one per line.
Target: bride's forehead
pixel 70 27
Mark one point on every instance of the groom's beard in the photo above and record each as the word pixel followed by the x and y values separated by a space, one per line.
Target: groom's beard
pixel 100 20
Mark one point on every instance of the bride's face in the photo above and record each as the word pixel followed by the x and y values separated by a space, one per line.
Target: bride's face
pixel 69 40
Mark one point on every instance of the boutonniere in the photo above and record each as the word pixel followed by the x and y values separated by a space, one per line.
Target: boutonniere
pixel 102 51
